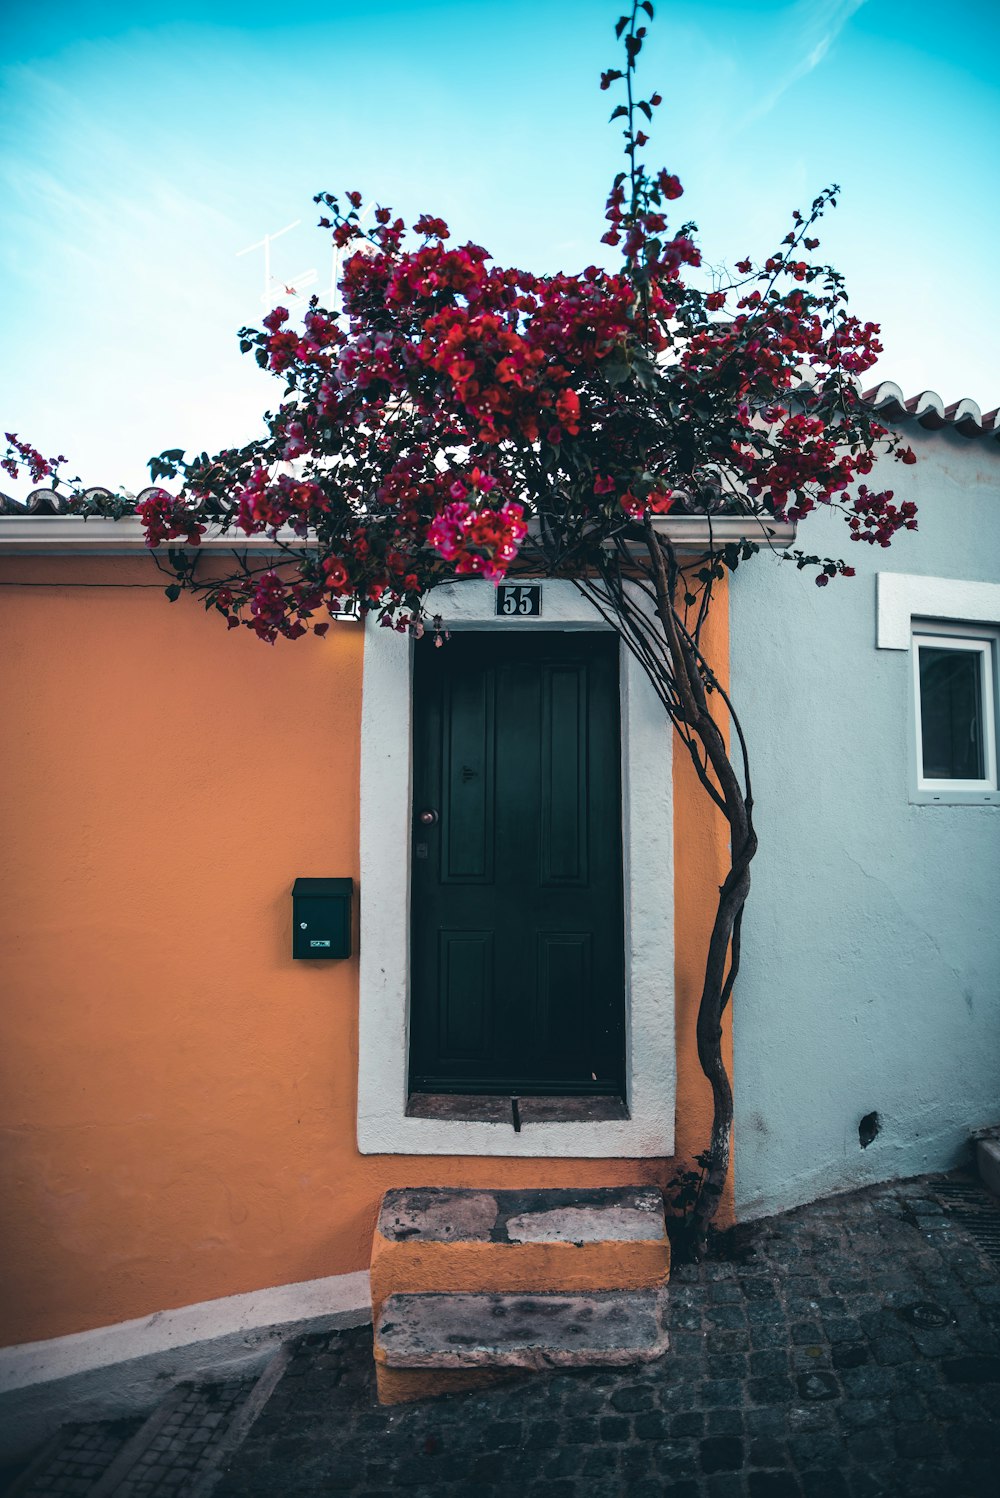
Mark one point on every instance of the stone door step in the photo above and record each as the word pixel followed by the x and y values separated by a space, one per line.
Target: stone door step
pixel 433 1241
pixel 603 1329
pixel 606 1214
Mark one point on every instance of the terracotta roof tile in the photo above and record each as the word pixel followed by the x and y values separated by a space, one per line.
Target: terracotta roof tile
pixel 51 502
pixel 930 411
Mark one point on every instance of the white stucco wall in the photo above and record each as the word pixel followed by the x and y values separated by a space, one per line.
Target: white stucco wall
pixel 871 951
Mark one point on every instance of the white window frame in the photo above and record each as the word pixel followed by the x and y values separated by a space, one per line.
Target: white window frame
pixel 648 870
pixel 953 637
pixel 912 604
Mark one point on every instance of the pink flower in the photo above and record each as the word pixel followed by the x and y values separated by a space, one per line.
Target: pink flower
pixel 445 537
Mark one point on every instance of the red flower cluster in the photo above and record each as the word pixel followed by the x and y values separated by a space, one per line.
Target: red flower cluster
pixel 168 517
pixel 876 519
pixel 641 227
pixel 22 454
pixel 265 505
pixel 285 347
pixel 475 538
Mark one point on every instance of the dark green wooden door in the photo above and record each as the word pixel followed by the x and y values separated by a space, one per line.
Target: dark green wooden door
pixel 516 909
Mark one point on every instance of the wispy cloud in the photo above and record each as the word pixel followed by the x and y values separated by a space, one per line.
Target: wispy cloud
pixel 814 26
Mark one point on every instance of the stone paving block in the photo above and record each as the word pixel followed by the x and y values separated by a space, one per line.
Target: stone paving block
pixel 724 1422
pixel 775 1484
pixel 721 1454
pixel 724 1485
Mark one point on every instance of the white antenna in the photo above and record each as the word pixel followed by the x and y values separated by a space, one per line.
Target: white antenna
pixel 265 244
pixel 292 288
pixel 276 286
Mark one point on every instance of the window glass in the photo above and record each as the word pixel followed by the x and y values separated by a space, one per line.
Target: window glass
pixel 951 713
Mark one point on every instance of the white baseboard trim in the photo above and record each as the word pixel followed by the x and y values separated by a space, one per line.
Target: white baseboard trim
pixel 125 1369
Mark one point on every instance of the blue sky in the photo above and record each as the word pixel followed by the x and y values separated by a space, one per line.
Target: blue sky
pixel 143 147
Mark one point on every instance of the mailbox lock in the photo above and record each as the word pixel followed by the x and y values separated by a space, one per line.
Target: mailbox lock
pixel 428 818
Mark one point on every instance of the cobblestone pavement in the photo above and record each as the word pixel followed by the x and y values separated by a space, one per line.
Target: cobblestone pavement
pixel 855 1352
pixel 181 1451
pixel 83 1453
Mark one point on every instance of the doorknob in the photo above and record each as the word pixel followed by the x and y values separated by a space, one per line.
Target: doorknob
pixel 428 818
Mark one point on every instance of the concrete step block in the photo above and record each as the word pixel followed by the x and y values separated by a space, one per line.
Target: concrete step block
pixel 601 1329
pixel 988 1163
pixel 407 1385
pixel 432 1240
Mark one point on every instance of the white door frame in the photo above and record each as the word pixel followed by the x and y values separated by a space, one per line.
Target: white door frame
pixel 648 858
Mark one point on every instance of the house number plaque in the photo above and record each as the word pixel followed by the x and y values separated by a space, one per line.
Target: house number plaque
pixel 518 600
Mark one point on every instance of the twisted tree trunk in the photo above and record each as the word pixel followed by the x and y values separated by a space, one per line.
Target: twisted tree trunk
pixel 689 672
pixel 669 653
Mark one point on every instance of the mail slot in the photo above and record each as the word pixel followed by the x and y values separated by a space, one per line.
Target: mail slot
pixel 321 917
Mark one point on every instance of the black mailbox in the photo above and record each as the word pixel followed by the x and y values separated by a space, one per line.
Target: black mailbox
pixel 321 917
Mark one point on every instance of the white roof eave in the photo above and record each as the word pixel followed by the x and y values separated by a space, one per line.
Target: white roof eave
pixel 73 535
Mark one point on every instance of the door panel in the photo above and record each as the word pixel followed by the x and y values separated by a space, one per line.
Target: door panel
pixel 467 779
pixel 565 963
pixel 516 919
pixel 466 978
pixel 564 776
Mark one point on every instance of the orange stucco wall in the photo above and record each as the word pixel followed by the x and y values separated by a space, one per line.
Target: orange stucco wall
pixel 701 845
pixel 177 1097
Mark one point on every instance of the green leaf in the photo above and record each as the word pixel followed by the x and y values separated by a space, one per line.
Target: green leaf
pixel 617 114
pixel 645 373
pixel 173 592
pixel 646 109
pixel 620 27
pixel 261 357
pixel 646 5
pixel 617 369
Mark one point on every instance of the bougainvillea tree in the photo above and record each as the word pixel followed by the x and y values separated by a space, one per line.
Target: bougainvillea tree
pixel 457 418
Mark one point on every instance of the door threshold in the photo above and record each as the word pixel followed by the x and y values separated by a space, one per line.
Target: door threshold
pixel 464 1107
